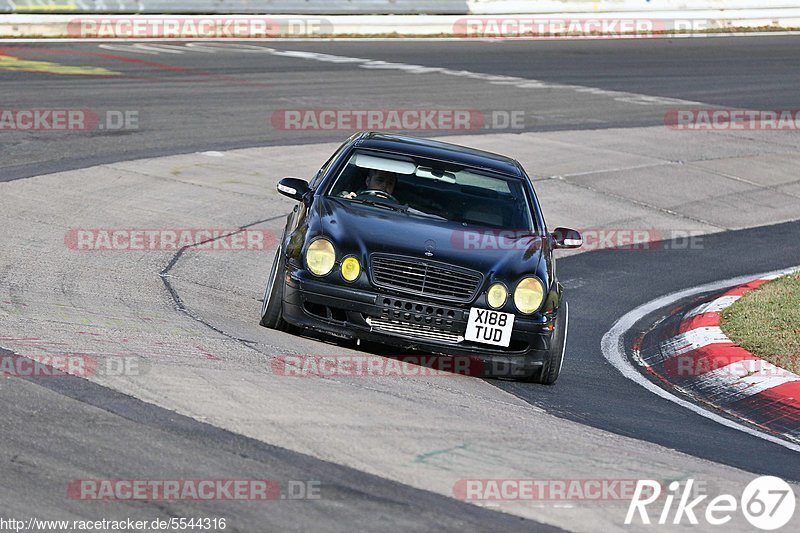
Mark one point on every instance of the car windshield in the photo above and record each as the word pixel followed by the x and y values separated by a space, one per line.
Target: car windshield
pixel 434 189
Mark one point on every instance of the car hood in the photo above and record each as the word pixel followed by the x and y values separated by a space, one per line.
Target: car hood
pixel 362 230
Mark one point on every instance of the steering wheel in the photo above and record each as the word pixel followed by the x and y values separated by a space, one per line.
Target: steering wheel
pixel 378 194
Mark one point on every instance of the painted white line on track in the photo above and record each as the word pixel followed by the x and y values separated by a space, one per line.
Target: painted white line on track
pixel 693 340
pixel 153 48
pixel 714 306
pixel 746 378
pixel 494 79
pixel 613 349
pixel 771 277
pixel 150 48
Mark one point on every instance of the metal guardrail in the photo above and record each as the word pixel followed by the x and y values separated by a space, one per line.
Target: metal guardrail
pixel 380 7
pixel 319 7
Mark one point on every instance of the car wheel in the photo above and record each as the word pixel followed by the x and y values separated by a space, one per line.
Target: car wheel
pixel 555 357
pixel 272 309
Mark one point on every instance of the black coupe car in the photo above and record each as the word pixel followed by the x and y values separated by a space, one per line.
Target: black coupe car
pixel 426 246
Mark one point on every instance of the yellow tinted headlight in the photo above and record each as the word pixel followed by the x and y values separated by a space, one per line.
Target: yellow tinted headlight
pixel 528 295
pixel 496 296
pixel 351 268
pixel 320 257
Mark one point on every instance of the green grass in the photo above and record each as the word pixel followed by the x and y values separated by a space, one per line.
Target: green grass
pixel 766 322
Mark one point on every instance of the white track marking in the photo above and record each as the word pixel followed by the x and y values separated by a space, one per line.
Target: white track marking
pixel 771 277
pixel 365 63
pixel 714 306
pixel 738 380
pixel 160 47
pixel 128 48
pixel 686 342
pixel 745 378
pixel 614 351
pixel 228 47
pixel 693 340
pixel 521 83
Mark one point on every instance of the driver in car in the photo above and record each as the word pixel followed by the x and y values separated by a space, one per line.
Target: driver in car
pixel 377 180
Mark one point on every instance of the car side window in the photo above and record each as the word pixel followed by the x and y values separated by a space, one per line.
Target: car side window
pixel 322 171
pixel 315 182
pixel 351 179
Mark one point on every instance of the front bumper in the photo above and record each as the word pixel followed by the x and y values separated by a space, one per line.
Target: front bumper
pixel 411 323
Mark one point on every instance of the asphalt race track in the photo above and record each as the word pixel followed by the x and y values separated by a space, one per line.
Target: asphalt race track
pixel 206 152
pixel 220 100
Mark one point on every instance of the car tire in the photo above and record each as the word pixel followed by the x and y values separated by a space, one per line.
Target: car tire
pixel 272 308
pixel 555 356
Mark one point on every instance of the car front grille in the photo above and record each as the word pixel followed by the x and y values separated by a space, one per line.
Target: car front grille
pixel 413 331
pixel 427 278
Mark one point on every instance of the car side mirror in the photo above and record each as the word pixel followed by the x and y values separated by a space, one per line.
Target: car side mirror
pixel 294 188
pixel 566 238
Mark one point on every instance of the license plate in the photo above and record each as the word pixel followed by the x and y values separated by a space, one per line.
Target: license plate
pixel 489 327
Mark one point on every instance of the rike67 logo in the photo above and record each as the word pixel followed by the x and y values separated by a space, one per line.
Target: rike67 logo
pixel 767 503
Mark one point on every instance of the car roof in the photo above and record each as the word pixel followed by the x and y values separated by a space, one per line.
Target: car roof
pixel 405 144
